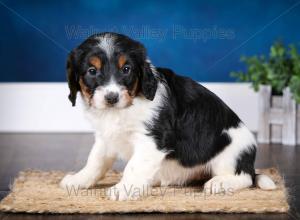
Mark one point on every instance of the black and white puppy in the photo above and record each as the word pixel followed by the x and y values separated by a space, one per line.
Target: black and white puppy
pixel 169 128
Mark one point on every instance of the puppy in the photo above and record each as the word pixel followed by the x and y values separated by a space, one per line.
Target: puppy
pixel 169 128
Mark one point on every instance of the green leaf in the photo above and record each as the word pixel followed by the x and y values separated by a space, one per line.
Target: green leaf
pixel 279 70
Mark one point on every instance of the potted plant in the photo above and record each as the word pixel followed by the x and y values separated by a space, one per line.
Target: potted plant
pixel 277 80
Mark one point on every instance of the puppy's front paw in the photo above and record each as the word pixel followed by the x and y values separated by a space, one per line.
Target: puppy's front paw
pixel 122 192
pixel 76 181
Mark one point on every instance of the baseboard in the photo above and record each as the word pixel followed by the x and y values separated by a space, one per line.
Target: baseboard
pixel 44 107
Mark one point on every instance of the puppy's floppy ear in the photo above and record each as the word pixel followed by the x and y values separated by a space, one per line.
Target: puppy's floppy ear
pixel 148 82
pixel 73 76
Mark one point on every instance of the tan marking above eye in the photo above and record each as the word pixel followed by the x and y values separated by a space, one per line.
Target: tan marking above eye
pixel 96 62
pixel 121 61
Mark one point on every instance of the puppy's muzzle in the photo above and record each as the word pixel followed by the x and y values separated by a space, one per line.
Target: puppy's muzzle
pixel 112 98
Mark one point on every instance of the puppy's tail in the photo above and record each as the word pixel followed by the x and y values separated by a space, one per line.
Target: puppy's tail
pixel 264 182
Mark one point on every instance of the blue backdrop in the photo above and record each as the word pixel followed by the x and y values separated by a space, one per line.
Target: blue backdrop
pixel 201 39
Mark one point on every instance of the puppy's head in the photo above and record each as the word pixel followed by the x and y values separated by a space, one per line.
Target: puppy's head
pixel 110 70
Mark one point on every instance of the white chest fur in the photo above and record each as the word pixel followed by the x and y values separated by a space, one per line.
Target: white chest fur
pixel 117 126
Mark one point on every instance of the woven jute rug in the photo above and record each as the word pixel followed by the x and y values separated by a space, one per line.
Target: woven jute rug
pixel 39 192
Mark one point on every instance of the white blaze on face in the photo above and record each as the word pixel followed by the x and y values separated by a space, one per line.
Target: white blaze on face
pixel 106 43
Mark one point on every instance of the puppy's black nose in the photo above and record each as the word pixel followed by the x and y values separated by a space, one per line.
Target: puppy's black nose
pixel 112 98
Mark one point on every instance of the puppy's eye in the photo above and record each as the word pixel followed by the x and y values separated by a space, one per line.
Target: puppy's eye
pixel 92 71
pixel 126 69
